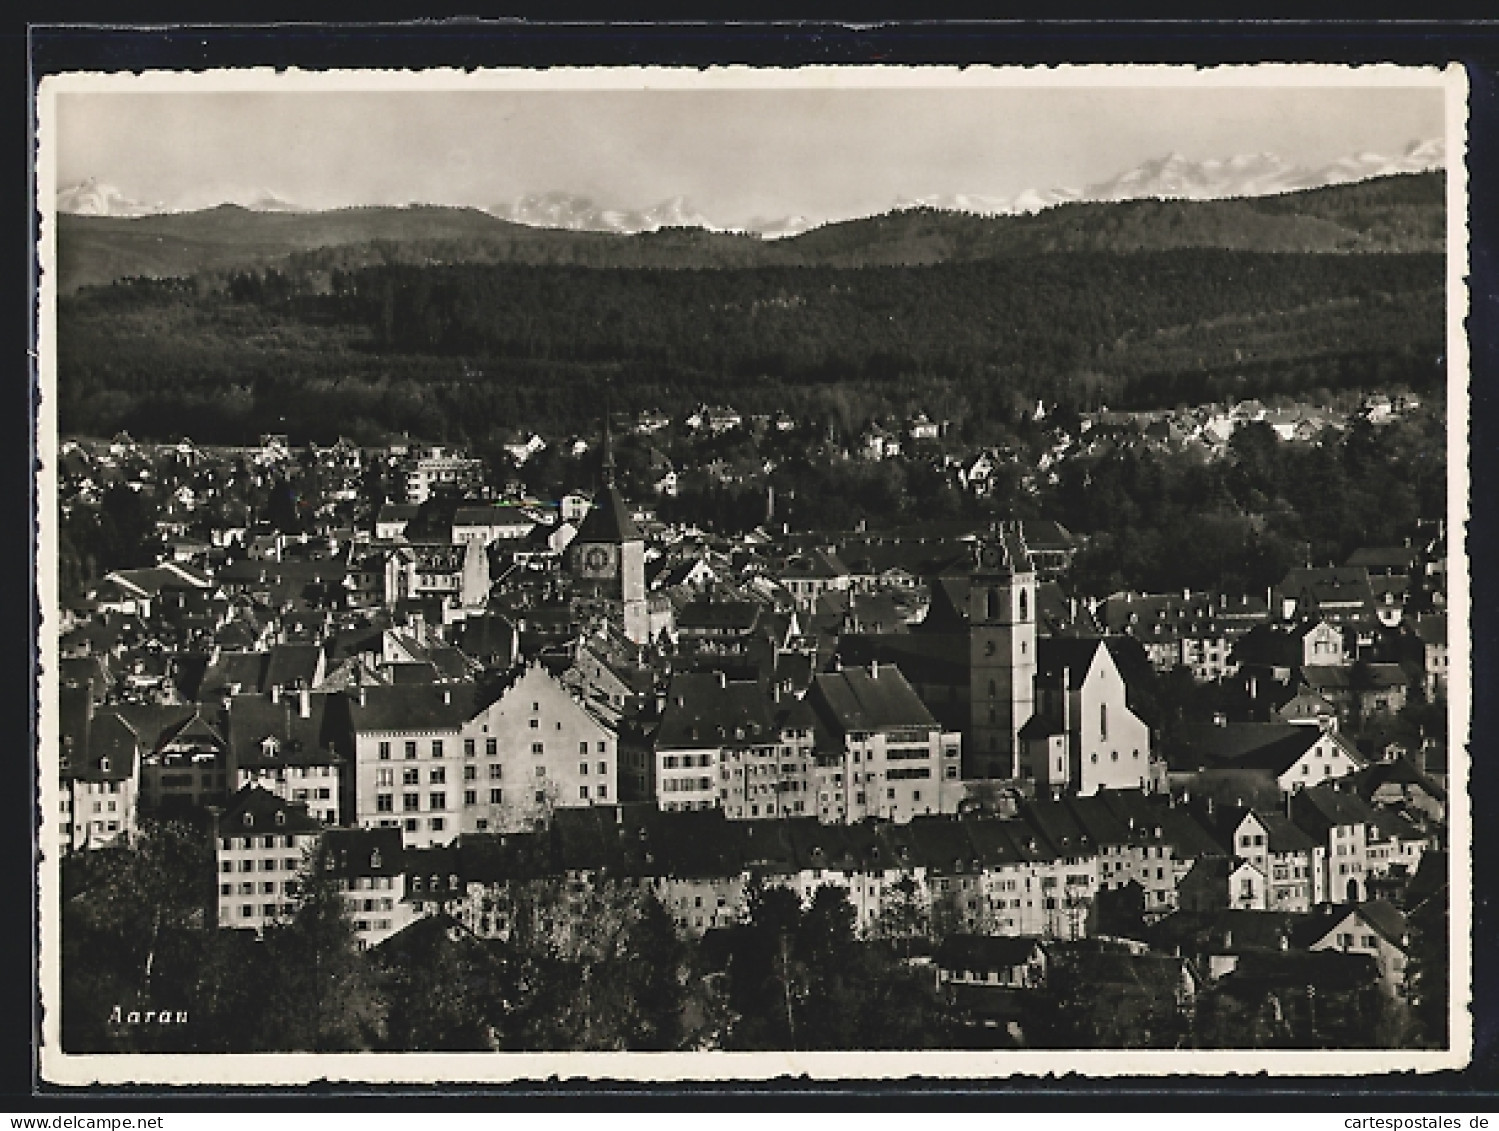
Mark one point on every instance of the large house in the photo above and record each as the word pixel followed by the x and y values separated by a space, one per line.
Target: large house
pixel 262 844
pixel 885 755
pixel 435 760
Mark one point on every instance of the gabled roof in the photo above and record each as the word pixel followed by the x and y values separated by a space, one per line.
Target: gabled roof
pixel 1282 834
pixel 1322 807
pixel 868 699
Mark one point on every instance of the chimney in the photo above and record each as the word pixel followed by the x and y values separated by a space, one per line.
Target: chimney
pixel 304 703
pixel 361 695
pixel 723 679
pixel 275 693
pixel 1210 805
pixel 874 669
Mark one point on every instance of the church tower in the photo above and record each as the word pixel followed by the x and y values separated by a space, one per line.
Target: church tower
pixel 608 554
pixel 1001 654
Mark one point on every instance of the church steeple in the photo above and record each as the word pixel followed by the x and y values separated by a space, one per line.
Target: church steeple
pixel 606 469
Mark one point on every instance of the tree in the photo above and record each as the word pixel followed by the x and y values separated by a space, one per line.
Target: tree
pixel 1428 971
pixel 129 916
pixel 320 993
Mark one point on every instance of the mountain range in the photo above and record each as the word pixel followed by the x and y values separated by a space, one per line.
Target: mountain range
pixel 1174 177
pixel 1403 213
pixel 1170 177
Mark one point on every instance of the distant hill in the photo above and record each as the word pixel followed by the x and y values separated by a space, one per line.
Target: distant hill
pixel 1404 213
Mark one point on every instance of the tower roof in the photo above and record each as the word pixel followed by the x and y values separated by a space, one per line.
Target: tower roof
pixel 608 520
pixel 1003 551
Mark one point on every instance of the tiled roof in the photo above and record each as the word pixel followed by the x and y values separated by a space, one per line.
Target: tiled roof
pixel 868 699
pixel 608 520
pixel 255 812
pixel 413 708
pixel 322 738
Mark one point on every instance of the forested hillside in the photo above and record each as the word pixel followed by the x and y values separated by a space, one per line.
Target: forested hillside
pixel 455 352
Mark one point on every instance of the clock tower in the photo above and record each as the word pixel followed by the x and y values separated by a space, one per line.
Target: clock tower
pixel 1001 653
pixel 607 558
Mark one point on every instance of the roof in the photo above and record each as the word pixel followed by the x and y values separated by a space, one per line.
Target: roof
pixel 1401 558
pixel 293 665
pixel 411 708
pixel 703 709
pixel 868 699
pixel 1321 807
pixel 363 852
pixel 94 745
pixel 1212 744
pixel 608 520
pixel 253 811
pixel 321 738
pixel 985 952
pixel 740 616
pixel 1282 834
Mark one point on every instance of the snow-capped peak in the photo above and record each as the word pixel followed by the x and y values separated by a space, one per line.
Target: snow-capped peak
pixel 94 198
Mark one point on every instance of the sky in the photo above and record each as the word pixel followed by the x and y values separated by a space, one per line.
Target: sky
pixel 736 154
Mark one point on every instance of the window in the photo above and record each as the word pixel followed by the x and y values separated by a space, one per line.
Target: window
pixel 411 802
pixel 496 797
pixel 470 773
pixel 469 748
pixel 603 793
pixel 538 748
pixel 385 803
pixel 541 771
pixel 496 771
pixel 411 748
pixel 583 792
pixel 385 776
pixel 471 797
pixel 385 752
pixel 437 800
pixel 437 775
pixel 491 747
pixel 435 824
pixel 603 747
pixel 1103 724
pixel 411 776
pixel 583 749
pixel 535 724
pixel 437 748
pixel 603 767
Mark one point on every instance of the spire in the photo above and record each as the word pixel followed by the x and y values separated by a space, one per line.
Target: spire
pixel 608 458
